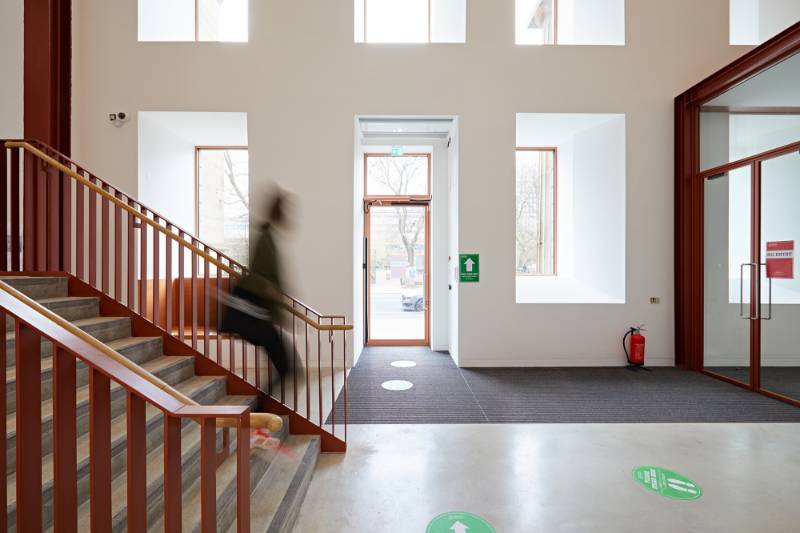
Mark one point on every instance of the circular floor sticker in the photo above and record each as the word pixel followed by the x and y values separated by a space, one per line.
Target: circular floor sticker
pixel 459 523
pixel 667 483
pixel 404 364
pixel 397 385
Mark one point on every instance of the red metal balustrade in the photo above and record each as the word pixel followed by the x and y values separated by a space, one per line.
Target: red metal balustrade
pixel 58 216
pixel 34 323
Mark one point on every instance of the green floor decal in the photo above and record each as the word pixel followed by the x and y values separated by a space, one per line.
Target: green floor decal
pixel 459 523
pixel 667 483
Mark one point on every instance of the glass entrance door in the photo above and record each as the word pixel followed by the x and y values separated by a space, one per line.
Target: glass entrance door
pixel 780 281
pixel 397 270
pixel 728 278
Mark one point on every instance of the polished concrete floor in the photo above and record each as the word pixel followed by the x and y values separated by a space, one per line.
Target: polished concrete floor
pixel 558 478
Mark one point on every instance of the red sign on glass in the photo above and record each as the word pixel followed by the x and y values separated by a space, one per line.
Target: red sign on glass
pixel 780 259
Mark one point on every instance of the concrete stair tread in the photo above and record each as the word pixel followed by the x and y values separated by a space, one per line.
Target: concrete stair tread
pixel 62 299
pixel 275 500
pixel 127 342
pixel 82 394
pixel 119 431
pixel 190 443
pixel 38 287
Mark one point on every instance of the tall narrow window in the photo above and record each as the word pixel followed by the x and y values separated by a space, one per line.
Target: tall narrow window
pixel 536 211
pixel 193 20
pixel 223 201
pixel 410 21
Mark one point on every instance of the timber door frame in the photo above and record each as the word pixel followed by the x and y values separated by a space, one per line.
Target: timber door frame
pixel 689 203
pixel 423 201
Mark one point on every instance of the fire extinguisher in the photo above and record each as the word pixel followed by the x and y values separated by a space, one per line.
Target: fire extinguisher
pixel 634 355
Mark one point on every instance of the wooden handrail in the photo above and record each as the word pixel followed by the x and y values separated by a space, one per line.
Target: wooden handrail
pixel 269 421
pixel 168 233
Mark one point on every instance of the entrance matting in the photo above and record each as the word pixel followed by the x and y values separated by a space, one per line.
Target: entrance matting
pixel 443 393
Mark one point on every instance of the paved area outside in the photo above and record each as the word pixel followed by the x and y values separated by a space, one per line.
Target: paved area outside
pixel 388 319
pixel 558 478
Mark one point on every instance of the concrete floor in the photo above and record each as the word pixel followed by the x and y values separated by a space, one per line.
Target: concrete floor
pixel 558 478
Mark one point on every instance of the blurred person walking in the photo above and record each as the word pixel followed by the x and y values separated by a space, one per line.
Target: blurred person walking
pixel 254 308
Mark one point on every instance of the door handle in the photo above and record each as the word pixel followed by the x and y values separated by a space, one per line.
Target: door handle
pixel 769 298
pixel 741 292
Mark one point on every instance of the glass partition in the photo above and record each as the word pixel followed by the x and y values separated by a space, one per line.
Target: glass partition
pixel 728 274
pixel 780 283
pixel 754 117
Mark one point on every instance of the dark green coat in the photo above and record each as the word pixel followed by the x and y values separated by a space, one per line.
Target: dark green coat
pixel 264 277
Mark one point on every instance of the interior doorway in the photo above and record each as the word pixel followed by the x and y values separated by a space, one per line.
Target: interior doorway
pixel 406 233
pixel 397 243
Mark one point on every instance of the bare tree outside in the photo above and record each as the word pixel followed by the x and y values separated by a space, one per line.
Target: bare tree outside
pixel 401 176
pixel 223 201
pixel 535 212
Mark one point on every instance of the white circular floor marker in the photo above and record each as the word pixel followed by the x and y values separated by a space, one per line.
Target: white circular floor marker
pixel 404 364
pixel 397 385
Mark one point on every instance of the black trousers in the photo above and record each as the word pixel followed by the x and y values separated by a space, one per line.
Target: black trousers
pixel 256 330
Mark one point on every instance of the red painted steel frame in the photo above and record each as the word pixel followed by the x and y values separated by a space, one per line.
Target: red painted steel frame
pixel 689 198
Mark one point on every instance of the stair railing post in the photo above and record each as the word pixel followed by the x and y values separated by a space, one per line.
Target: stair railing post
pixel 29 429
pixel 65 479
pixel 172 474
pixel 136 464
pixel 243 474
pixel 208 474
pixel 100 451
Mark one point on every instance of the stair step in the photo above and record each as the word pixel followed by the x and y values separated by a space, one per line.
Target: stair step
pixel 170 369
pixel 276 499
pixel 38 287
pixel 102 328
pixel 68 307
pixel 197 388
pixel 190 461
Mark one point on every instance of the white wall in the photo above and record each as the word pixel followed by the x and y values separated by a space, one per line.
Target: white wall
pixel 590 252
pixel 756 21
pixel 167 142
pixel 302 80
pixel 11 68
pixel 453 240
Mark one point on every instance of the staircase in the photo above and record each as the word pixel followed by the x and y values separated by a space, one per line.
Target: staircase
pixel 134 404
pixel 280 466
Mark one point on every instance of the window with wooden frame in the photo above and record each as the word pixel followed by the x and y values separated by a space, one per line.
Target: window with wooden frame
pixel 193 20
pixel 587 22
pixel 222 200
pixel 536 220
pixel 410 21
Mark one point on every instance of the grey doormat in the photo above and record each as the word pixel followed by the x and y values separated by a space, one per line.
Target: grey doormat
pixel 444 394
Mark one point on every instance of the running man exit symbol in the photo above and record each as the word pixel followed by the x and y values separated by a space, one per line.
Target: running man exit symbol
pixel 469 268
pixel 458 527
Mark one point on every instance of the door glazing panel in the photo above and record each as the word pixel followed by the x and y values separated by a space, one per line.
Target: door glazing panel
pixel 728 274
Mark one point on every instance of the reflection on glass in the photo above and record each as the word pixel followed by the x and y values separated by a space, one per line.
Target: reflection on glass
pixel 405 175
pixel 397 274
pixel 753 117
pixel 780 309
pixel 727 275
pixel 223 210
pixel 535 21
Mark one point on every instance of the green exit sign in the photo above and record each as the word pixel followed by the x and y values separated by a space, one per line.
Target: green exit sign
pixel 397 151
pixel 469 267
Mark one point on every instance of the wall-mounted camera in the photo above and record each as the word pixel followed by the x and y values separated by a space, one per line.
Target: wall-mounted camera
pixel 118 118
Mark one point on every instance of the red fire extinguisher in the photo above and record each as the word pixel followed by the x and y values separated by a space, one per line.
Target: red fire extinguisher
pixel 634 351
